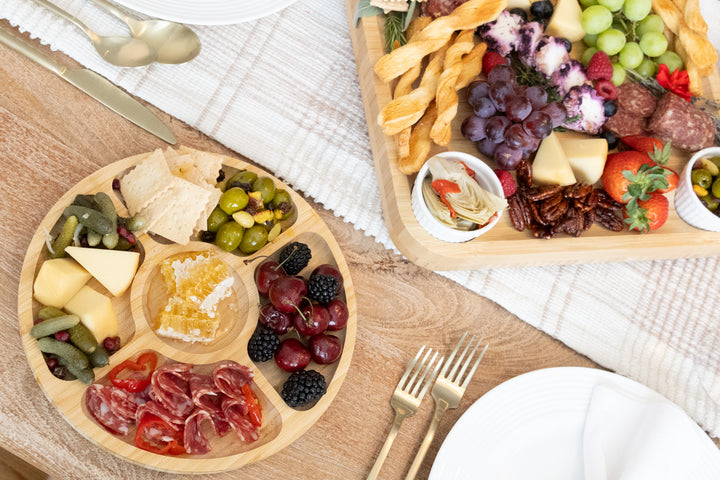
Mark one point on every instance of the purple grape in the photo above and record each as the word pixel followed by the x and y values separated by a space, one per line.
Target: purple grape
pixel 557 113
pixel 501 74
pixel 473 128
pixel 500 93
pixel 486 147
pixel 507 158
pixel 477 90
pixel 533 145
pixel 517 137
pixel 484 108
pixel 537 97
pixel 495 128
pixel 538 124
pixel 518 108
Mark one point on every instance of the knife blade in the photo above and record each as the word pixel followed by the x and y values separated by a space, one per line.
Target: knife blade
pixel 96 86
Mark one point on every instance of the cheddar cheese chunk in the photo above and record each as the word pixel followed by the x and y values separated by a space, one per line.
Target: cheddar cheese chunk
pixel 58 280
pixel 95 311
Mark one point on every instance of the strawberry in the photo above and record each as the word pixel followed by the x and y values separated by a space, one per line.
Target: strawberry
pixel 606 89
pixel 641 143
pixel 599 67
pixel 631 174
pixel 658 152
pixel 491 60
pixel 506 180
pixel 646 215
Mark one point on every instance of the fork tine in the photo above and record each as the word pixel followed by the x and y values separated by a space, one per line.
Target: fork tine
pixel 410 368
pixel 475 366
pixel 452 356
pixel 451 376
pixel 431 377
pixel 425 372
pixel 467 361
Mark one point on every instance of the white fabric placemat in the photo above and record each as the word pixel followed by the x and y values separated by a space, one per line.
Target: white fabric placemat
pixel 283 91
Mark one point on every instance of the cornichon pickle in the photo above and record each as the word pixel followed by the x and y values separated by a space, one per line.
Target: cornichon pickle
pixel 50 312
pixel 65 238
pixel 82 338
pixel 54 325
pixel 64 350
pixel 135 223
pixel 92 219
pixel 85 201
pixel 99 358
pixel 94 238
pixel 85 375
pixel 110 240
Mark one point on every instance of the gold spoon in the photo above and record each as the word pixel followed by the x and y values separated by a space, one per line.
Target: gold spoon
pixel 174 42
pixel 120 51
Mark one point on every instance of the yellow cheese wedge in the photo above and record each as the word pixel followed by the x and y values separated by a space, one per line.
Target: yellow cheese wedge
pixel 587 157
pixel 95 311
pixel 58 280
pixel 565 21
pixel 115 269
pixel 524 4
pixel 551 165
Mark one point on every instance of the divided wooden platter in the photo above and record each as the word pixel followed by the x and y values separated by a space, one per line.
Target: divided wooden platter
pixel 136 308
pixel 503 246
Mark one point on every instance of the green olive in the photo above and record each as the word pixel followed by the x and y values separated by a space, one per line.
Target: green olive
pixel 254 239
pixel 229 236
pixel 283 202
pixel 701 177
pixel 266 187
pixel 716 188
pixel 715 160
pixel 216 219
pixel 233 200
pixel 242 179
pixel 711 202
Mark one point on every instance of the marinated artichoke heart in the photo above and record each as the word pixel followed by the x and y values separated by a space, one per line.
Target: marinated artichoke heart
pixel 473 205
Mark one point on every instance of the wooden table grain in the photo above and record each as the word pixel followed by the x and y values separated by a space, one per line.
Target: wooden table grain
pixel 52 136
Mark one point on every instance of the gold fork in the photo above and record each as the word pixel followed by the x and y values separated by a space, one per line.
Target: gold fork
pixel 406 399
pixel 447 392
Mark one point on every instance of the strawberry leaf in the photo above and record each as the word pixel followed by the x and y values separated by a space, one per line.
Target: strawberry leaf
pixel 637 218
pixel 661 157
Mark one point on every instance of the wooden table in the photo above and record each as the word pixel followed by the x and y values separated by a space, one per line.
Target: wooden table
pixel 52 136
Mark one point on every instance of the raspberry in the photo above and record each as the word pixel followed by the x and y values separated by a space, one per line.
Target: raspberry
pixel 606 89
pixel 600 67
pixel 491 60
pixel 506 180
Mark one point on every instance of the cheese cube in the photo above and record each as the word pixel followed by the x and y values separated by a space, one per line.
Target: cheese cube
pixel 551 165
pixel 95 311
pixel 587 157
pixel 58 280
pixel 565 21
pixel 115 269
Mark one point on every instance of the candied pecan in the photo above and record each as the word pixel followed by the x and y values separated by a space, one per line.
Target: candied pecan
pixel 535 214
pixel 543 192
pixel 540 231
pixel 609 220
pixel 589 219
pixel 523 174
pixel 551 212
pixel 516 205
pixel 591 201
pixel 553 200
pixel 607 202
pixel 571 226
pixel 577 190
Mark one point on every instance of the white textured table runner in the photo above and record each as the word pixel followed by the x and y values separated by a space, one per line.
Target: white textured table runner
pixel 283 91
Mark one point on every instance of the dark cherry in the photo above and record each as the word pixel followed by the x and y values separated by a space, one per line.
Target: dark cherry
pixel 271 317
pixel 292 355
pixel 338 314
pixel 267 273
pixel 327 269
pixel 286 293
pixel 325 349
pixel 314 319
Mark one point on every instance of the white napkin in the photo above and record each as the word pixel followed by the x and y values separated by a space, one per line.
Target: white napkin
pixel 638 437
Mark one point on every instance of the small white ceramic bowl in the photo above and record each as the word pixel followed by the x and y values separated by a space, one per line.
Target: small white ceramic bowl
pixel 485 177
pixel 687 204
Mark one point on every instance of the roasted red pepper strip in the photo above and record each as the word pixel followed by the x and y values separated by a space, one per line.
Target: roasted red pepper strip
pixel 469 170
pixel 254 408
pixel 146 361
pixel 443 187
pixel 160 428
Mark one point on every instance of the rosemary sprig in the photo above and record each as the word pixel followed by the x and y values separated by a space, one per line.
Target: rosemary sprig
pixel 528 76
pixel 394 34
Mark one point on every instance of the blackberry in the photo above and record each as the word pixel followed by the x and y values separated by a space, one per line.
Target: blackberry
pixel 295 257
pixel 263 344
pixel 303 387
pixel 322 288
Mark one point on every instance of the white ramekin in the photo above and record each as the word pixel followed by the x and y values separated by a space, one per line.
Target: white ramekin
pixel 485 177
pixel 687 204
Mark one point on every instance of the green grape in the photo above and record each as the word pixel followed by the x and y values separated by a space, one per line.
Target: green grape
pixel 590 39
pixel 588 3
pixel 596 19
pixel 587 55
pixel 618 76
pixel 653 44
pixel 637 10
pixel 631 56
pixel 671 59
pixel 646 68
pixel 612 5
pixel 611 41
pixel 651 23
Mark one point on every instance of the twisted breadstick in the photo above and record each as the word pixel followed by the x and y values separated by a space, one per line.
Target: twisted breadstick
pixel 420 142
pixel 467 16
pixel 446 97
pixel 471 66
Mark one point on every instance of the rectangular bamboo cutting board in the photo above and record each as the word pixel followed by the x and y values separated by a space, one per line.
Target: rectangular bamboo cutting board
pixel 503 246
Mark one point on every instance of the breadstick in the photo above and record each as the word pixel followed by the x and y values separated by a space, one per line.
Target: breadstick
pixel 693 17
pixel 446 97
pixel 680 4
pixel 467 16
pixel 403 112
pixel 698 48
pixel 420 142
pixel 471 66
pixel 669 13
pixel 695 86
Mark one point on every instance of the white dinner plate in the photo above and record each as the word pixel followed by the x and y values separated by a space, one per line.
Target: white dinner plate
pixel 531 426
pixel 207 12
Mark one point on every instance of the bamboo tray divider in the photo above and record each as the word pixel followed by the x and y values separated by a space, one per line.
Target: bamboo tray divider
pixel 281 424
pixel 502 246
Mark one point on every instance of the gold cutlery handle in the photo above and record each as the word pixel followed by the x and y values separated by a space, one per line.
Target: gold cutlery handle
pixel 399 417
pixel 440 408
pixel 66 15
pixel 9 39
pixel 110 8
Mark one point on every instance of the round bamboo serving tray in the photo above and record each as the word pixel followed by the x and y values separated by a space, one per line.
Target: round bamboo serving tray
pixel 136 308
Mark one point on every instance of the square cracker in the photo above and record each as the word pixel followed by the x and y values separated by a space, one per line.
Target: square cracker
pixel 184 167
pixel 183 205
pixel 208 164
pixel 147 181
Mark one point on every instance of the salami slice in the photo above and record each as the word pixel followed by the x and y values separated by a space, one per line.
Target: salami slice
pixel 688 127
pixel 636 99
pixel 125 404
pixel 204 393
pixel 194 439
pixel 169 386
pixel 439 8
pixel 624 123
pixel 236 411
pixel 230 376
pixel 155 408
pixel 99 403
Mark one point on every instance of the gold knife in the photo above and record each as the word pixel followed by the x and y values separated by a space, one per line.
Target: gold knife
pixel 94 85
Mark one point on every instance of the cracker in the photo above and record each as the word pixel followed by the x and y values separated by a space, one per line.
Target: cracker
pixel 184 167
pixel 212 202
pixel 148 180
pixel 182 204
pixel 208 164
